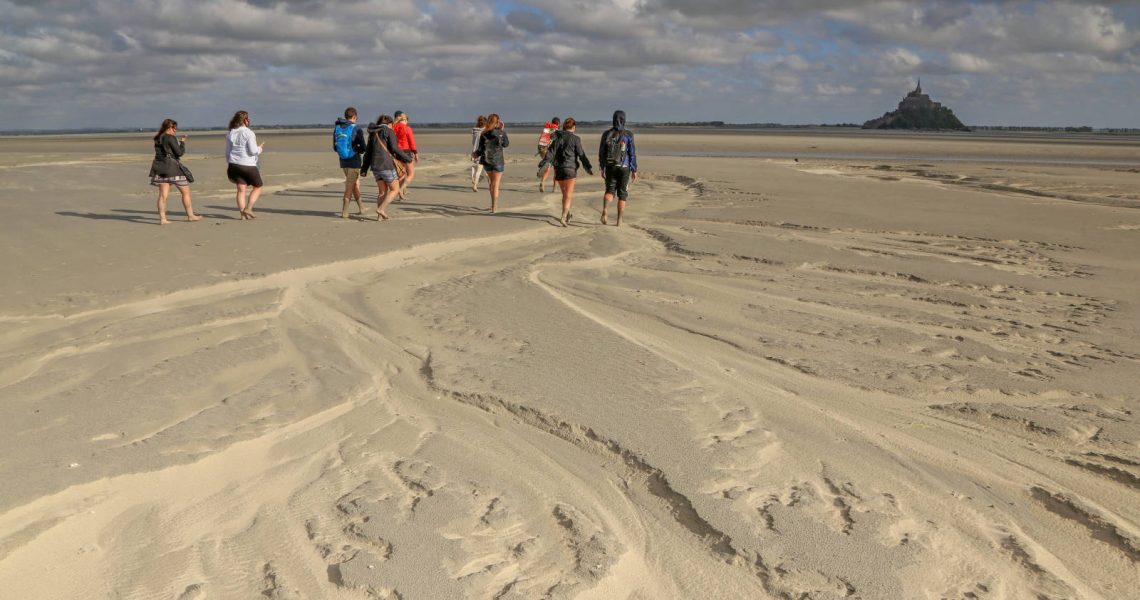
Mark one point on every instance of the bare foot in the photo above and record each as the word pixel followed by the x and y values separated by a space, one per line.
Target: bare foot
pixel 344 213
pixel 605 221
pixel 474 188
pixel 163 222
pixel 193 218
pixel 382 216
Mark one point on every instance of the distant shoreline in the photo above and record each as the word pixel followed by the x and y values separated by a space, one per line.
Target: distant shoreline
pixel 703 127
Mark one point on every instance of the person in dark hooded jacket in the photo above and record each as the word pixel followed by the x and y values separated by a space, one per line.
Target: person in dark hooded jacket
pixel 380 156
pixel 618 161
pixel 564 154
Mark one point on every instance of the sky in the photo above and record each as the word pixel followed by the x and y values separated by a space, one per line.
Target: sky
pixel 130 63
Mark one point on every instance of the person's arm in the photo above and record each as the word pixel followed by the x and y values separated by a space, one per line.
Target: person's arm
pixel 503 139
pixel 632 157
pixel 358 143
pixel 370 149
pixel 582 157
pixel 602 150
pixel 479 146
pixel 412 143
pixel 174 147
pixel 251 146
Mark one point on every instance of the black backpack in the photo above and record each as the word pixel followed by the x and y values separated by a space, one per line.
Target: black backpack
pixel 616 150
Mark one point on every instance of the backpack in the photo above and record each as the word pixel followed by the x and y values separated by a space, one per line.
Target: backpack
pixel 342 140
pixel 616 150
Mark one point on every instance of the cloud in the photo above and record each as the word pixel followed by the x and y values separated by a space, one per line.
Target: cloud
pixel 70 62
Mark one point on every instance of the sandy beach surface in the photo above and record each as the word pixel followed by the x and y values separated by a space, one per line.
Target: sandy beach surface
pixel 810 365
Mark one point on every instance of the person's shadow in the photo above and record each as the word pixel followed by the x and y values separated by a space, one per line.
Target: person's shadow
pixel 231 210
pixel 455 210
pixel 145 217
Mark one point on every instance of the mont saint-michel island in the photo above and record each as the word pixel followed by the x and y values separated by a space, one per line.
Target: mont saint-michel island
pixel 918 111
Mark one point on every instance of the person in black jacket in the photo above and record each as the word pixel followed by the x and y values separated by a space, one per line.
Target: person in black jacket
pixel 379 157
pixel 617 159
pixel 166 169
pixel 351 165
pixel 489 152
pixel 564 154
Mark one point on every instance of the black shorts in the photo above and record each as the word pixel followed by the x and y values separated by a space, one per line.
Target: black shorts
pixel 617 181
pixel 562 174
pixel 244 174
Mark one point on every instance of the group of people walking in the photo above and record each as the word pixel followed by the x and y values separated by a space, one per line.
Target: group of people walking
pixel 387 149
pixel 242 152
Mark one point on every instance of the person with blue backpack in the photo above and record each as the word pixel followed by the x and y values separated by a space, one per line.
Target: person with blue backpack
pixel 349 144
pixel 618 161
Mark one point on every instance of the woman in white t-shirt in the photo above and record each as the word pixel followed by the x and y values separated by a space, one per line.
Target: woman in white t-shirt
pixel 242 151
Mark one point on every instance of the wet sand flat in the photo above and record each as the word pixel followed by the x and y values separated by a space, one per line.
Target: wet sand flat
pixel 809 365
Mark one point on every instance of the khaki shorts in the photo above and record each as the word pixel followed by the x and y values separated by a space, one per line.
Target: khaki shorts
pixel 351 175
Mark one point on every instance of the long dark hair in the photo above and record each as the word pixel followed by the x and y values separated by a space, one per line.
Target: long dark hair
pixel 569 124
pixel 239 119
pixel 383 120
pixel 166 124
pixel 481 121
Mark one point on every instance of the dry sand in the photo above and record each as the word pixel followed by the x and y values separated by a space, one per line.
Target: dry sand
pixel 810 366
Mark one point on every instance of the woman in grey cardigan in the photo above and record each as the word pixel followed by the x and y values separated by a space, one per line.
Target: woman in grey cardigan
pixel 166 169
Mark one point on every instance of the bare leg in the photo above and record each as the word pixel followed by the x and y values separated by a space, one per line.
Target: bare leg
pixel 621 211
pixel 606 199
pixel 542 179
pixel 346 199
pixel 356 196
pixel 406 180
pixel 476 173
pixel 190 216
pixel 241 200
pixel 253 196
pixel 495 178
pixel 163 193
pixel 567 186
pixel 387 192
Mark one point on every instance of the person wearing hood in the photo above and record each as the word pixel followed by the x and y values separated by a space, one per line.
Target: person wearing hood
pixel 380 157
pixel 618 161
pixel 349 139
pixel 564 155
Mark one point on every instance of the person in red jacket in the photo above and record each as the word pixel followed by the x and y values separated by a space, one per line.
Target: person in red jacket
pixel 407 141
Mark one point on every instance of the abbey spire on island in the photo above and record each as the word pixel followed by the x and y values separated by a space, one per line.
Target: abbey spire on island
pixel 918 111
